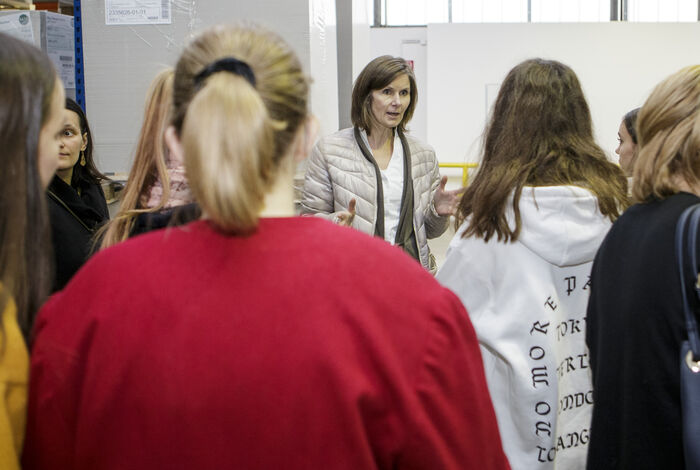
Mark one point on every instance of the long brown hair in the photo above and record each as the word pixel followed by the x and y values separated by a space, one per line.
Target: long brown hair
pixel 235 131
pixel 27 83
pixel 668 128
pixel 539 134
pixel 149 162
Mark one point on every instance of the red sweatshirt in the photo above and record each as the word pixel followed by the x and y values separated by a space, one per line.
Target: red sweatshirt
pixel 301 346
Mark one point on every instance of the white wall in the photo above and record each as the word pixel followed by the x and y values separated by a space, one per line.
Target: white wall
pixel 361 43
pixel 120 61
pixel 353 51
pixel 618 64
pixel 323 59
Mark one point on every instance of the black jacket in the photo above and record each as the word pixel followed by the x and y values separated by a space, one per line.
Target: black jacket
pixel 174 217
pixel 634 331
pixel 74 220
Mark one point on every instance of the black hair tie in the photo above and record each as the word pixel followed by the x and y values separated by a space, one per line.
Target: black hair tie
pixel 227 64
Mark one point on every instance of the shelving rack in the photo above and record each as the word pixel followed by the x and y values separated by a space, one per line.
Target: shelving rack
pixel 79 72
pixel 16 4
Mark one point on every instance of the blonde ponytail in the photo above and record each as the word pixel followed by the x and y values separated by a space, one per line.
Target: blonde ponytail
pixel 239 97
pixel 228 139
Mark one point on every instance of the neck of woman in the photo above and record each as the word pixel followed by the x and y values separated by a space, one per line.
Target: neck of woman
pixel 66 175
pixel 381 137
pixel 684 186
pixel 279 201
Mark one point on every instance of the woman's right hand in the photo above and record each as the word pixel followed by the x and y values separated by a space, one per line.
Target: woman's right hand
pixel 345 218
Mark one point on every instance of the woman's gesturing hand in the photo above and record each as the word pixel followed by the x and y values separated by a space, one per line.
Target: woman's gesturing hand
pixel 445 202
pixel 344 218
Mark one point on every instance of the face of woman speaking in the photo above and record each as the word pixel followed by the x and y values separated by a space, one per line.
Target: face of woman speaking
pixel 389 103
pixel 627 150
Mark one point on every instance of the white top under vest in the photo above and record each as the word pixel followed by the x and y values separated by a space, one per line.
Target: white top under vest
pixel 392 185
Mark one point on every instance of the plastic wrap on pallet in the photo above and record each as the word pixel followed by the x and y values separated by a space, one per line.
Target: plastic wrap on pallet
pixel 122 59
pixel 49 31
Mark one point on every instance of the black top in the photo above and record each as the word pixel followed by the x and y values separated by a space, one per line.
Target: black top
pixel 74 220
pixel 634 331
pixel 179 215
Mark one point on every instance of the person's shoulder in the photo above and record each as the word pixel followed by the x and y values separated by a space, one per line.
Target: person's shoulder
pixel 14 358
pixel 172 217
pixel 375 274
pixel 417 146
pixel 53 205
pixel 664 212
pixel 355 255
pixel 343 138
pixel 133 253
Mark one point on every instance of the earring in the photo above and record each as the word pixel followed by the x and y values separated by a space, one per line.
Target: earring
pixel 82 159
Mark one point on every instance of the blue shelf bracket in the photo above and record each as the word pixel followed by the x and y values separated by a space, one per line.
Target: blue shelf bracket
pixel 79 65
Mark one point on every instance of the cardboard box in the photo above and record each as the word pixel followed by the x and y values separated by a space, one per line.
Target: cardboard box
pixel 52 32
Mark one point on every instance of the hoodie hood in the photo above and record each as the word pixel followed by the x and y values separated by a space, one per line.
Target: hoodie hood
pixel 561 224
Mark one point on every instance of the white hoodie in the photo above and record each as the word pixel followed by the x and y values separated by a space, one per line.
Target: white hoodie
pixel 527 301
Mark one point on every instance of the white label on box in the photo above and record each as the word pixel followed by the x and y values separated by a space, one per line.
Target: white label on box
pixel 18 25
pixel 60 40
pixel 137 12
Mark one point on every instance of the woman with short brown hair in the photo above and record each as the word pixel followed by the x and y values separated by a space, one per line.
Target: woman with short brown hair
pixel 375 177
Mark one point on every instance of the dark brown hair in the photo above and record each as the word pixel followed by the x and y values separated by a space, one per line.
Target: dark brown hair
pixel 27 83
pixel 375 76
pixel 539 134
pixel 630 120
pixel 87 173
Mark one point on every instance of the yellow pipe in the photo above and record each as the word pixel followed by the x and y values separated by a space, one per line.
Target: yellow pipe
pixel 465 169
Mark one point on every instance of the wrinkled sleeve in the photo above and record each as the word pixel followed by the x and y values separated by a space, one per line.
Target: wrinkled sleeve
pixel 317 197
pixel 9 457
pixel 14 363
pixel 455 426
pixel 435 225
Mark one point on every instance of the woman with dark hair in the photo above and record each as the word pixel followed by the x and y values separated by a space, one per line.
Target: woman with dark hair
pixel 627 142
pixel 375 177
pixel 530 224
pixel 218 344
pixel 77 205
pixel 31 100
pixel 635 322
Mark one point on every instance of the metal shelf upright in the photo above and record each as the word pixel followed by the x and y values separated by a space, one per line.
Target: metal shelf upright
pixel 79 72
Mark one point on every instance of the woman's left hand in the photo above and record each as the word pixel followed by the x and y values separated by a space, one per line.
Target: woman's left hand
pixel 446 202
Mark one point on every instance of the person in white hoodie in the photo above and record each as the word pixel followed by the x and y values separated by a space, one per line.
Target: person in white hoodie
pixel 530 225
